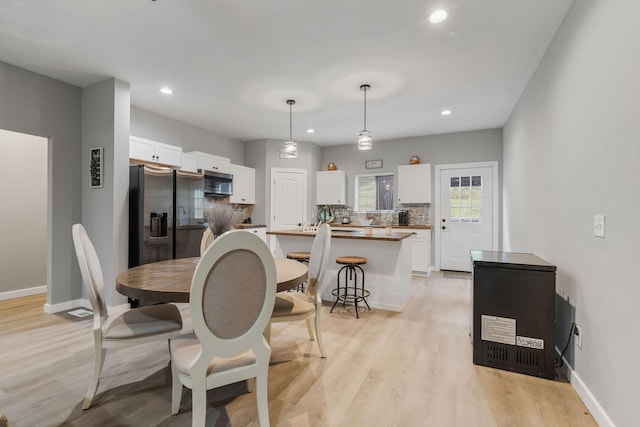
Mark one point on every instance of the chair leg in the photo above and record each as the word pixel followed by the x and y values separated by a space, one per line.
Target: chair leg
pixel 318 334
pixel 310 329
pixel 98 363
pixel 261 396
pixel 198 400
pixel 176 390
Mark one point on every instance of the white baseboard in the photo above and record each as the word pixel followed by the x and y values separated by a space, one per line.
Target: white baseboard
pixel 67 305
pixel 592 404
pixel 23 292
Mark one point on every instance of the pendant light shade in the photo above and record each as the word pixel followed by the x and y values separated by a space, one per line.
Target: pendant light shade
pixel 364 137
pixel 290 150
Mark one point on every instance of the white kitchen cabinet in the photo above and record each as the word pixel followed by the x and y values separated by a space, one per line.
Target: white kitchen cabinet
pixel 244 184
pixel 414 183
pixel 189 162
pixel 211 162
pixel 420 251
pixel 331 187
pixel 259 231
pixel 147 150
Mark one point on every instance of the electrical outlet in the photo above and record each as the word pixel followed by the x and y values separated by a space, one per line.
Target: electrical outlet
pixel 578 333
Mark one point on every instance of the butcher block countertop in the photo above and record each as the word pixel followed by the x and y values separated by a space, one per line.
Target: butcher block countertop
pixel 336 233
pixel 395 227
pixel 245 226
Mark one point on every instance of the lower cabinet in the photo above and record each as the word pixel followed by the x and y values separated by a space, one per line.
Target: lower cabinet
pixel 420 251
pixel 259 231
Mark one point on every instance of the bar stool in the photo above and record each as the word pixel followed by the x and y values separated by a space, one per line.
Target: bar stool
pixel 302 257
pixel 351 265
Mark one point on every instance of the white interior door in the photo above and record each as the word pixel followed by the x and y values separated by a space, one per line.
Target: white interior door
pixel 288 198
pixel 467 217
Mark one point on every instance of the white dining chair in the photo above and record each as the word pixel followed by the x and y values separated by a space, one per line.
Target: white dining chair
pixel 207 239
pixel 293 306
pixel 131 327
pixel 232 294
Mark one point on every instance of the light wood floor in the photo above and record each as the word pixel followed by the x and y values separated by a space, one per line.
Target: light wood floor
pixel 386 369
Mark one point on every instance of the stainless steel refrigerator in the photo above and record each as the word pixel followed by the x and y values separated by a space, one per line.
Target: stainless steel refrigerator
pixel 158 197
pixel 189 208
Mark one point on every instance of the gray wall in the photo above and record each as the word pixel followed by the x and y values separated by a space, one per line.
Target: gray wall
pixel 38 105
pixel 571 150
pixel 156 127
pixel 23 213
pixel 463 147
pixel 263 155
pixel 105 213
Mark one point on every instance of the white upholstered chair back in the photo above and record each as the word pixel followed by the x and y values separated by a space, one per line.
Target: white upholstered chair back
pixel 232 294
pixel 91 272
pixel 318 259
pixel 207 239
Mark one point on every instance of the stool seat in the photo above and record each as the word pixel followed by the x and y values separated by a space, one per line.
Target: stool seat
pixel 304 256
pixel 354 260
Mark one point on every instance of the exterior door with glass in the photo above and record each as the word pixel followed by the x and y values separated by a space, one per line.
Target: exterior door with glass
pixel 467 217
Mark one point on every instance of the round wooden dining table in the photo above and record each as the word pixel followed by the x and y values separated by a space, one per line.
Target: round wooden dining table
pixel 170 280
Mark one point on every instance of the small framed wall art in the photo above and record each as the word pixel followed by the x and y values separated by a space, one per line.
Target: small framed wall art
pixel 373 164
pixel 95 168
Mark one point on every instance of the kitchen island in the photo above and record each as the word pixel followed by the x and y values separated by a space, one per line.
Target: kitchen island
pixel 388 268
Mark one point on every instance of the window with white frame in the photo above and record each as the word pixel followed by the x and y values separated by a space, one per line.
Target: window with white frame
pixel 465 198
pixel 374 192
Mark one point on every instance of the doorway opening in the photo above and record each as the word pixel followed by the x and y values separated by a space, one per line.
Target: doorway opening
pixel 24 183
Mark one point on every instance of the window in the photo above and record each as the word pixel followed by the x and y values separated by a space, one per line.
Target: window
pixel 465 198
pixel 374 192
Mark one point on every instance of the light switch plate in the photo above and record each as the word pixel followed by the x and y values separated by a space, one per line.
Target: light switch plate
pixel 598 225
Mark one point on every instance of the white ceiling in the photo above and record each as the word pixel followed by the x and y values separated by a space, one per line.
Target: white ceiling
pixel 232 64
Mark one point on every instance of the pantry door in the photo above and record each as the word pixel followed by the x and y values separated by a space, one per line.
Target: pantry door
pixel 467 216
pixel 288 198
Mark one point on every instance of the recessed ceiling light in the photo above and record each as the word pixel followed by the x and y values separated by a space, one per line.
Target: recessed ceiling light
pixel 310 131
pixel 438 16
pixel 166 91
pixel 445 112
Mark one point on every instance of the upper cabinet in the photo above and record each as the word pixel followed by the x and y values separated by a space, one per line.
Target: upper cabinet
pixel 154 152
pixel 211 162
pixel 331 187
pixel 414 183
pixel 189 162
pixel 244 185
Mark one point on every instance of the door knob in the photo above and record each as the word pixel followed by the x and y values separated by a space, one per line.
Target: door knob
pixel 443 227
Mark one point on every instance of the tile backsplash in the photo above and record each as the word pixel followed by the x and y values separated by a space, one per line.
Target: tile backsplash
pixel 419 214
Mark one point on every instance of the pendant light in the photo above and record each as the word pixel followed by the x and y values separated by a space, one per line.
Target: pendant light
pixel 290 150
pixel 364 137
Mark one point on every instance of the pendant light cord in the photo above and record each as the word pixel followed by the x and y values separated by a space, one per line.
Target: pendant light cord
pixel 365 108
pixel 291 102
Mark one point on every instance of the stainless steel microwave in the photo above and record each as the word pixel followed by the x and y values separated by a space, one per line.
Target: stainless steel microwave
pixel 218 184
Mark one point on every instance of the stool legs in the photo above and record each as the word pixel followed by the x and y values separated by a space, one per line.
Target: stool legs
pixel 357 295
